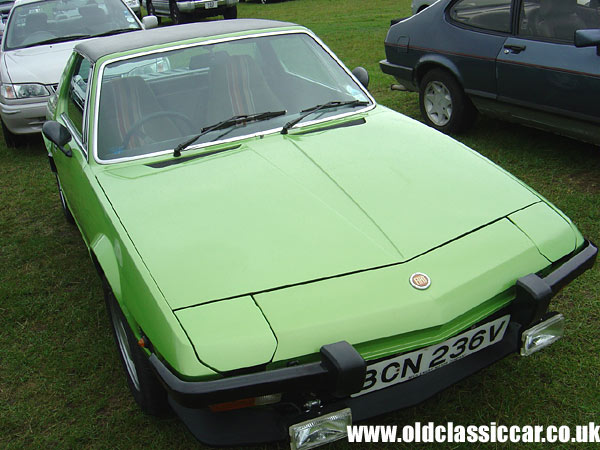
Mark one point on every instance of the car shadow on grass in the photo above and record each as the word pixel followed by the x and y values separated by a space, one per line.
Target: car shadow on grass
pixel 29 146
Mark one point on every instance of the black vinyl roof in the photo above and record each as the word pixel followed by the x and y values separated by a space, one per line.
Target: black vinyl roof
pixel 94 49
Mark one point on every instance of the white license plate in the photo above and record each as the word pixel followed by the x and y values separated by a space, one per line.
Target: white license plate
pixel 411 365
pixel 209 5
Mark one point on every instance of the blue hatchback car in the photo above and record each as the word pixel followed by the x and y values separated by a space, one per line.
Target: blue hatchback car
pixel 535 62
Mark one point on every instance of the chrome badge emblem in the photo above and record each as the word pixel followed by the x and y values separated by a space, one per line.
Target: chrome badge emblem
pixel 420 280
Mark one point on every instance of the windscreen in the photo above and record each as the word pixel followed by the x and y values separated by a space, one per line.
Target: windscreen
pixel 53 21
pixel 151 103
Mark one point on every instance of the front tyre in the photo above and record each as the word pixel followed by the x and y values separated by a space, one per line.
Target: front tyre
pixel 147 391
pixel 444 104
pixel 176 15
pixel 230 13
pixel 10 139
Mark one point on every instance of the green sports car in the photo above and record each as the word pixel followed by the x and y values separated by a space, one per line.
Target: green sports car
pixel 282 256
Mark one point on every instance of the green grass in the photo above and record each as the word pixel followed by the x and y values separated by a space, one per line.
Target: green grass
pixel 61 384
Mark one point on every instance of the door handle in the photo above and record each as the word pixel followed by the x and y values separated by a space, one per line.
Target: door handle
pixel 514 48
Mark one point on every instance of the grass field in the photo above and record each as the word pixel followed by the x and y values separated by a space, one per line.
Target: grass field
pixel 61 383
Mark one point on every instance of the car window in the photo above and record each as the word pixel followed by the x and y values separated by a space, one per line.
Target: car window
pixel 492 15
pixel 152 103
pixel 50 21
pixel 78 94
pixel 557 20
pixel 292 56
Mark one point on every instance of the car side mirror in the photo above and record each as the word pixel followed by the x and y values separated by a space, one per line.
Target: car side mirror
pixel 58 134
pixel 362 75
pixel 149 22
pixel 588 38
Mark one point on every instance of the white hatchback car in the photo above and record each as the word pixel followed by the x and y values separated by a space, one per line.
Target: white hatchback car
pixel 38 40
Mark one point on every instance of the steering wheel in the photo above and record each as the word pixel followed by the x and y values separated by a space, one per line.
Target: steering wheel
pixel 38 36
pixel 136 126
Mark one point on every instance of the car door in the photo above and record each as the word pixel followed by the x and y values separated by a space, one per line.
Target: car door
pixel 480 28
pixel 73 171
pixel 541 69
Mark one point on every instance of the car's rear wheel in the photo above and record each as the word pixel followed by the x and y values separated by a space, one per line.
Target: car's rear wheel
pixel 147 391
pixel 177 16
pixel 151 11
pixel 444 104
pixel 63 202
pixel 10 139
pixel 230 13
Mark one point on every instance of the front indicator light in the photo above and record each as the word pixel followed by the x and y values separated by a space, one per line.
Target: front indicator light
pixel 543 334
pixel 246 403
pixel 320 430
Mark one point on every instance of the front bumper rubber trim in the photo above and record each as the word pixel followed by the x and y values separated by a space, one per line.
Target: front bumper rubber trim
pixel 341 371
pixel 534 292
pixel 252 426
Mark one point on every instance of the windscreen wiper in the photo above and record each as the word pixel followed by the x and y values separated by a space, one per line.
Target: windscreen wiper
pixel 72 37
pixel 117 31
pixel 316 108
pixel 56 40
pixel 241 119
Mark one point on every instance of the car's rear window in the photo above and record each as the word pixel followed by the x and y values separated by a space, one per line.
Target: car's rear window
pixel 491 15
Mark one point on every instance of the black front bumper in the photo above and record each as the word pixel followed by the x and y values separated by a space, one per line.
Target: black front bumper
pixel 341 372
pixel 266 424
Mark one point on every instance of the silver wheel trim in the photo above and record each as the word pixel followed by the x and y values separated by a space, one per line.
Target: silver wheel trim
pixel 124 347
pixel 438 103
